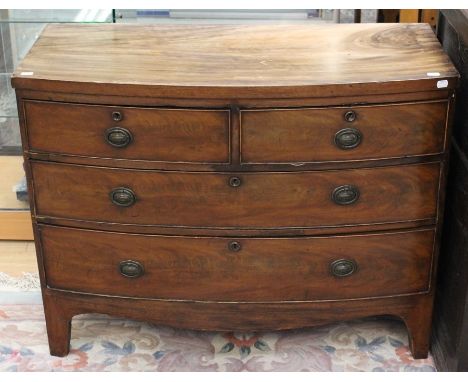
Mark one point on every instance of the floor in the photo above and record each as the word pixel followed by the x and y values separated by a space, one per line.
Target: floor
pixel 11 173
pixel 17 257
pixel 15 219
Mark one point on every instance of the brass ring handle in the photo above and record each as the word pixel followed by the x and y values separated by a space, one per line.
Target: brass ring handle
pixel 234 246
pixel 131 269
pixel 348 138
pixel 345 195
pixel 122 197
pixel 343 268
pixel 235 181
pixel 350 116
pixel 118 137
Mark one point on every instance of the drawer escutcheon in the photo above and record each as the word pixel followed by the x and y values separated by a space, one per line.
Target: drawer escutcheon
pixel 234 246
pixel 235 181
pixel 117 116
pixel 350 116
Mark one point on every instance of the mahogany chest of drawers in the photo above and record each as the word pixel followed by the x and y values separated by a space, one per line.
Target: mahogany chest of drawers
pixel 237 177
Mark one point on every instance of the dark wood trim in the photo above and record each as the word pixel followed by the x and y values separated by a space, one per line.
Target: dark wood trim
pixel 246 102
pixel 62 306
pixel 281 167
pixel 313 91
pixel 284 232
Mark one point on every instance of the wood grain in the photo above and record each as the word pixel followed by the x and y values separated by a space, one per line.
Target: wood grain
pixel 236 232
pixel 120 99
pixel 213 61
pixel 170 135
pixel 263 200
pixel 307 135
pixel 190 268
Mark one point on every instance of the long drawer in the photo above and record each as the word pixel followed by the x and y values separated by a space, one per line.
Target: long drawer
pixel 157 134
pixel 226 200
pixel 253 269
pixel 342 133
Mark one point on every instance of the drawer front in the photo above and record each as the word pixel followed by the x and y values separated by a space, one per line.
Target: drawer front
pixel 195 268
pixel 340 134
pixel 167 135
pixel 249 200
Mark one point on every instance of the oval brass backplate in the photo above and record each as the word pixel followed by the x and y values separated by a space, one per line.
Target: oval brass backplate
pixel 122 197
pixel 131 269
pixel 118 137
pixel 348 138
pixel 345 195
pixel 343 268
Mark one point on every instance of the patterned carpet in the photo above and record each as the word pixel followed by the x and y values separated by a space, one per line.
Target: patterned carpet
pixel 100 343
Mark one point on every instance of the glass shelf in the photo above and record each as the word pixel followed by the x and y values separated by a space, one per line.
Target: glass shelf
pixel 56 16
pixel 216 16
pixel 285 16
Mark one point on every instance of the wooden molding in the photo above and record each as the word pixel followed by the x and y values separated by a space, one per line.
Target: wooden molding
pixel 15 225
pixel 409 15
pixel 430 16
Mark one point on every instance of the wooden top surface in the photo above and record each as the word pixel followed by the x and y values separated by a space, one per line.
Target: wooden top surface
pixel 235 60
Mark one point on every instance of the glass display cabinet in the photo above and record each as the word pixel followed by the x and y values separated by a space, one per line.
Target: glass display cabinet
pixel 19 29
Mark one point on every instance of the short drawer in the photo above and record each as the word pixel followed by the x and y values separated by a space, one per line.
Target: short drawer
pixel 342 133
pixel 254 269
pixel 154 134
pixel 227 200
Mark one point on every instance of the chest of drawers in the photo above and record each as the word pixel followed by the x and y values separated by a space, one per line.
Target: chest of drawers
pixel 250 177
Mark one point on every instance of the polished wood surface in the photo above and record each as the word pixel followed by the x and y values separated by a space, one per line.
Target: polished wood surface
pixel 190 268
pixel 307 135
pixel 234 232
pixel 172 135
pixel 119 99
pixel 213 61
pixel 263 200
pixel 267 136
